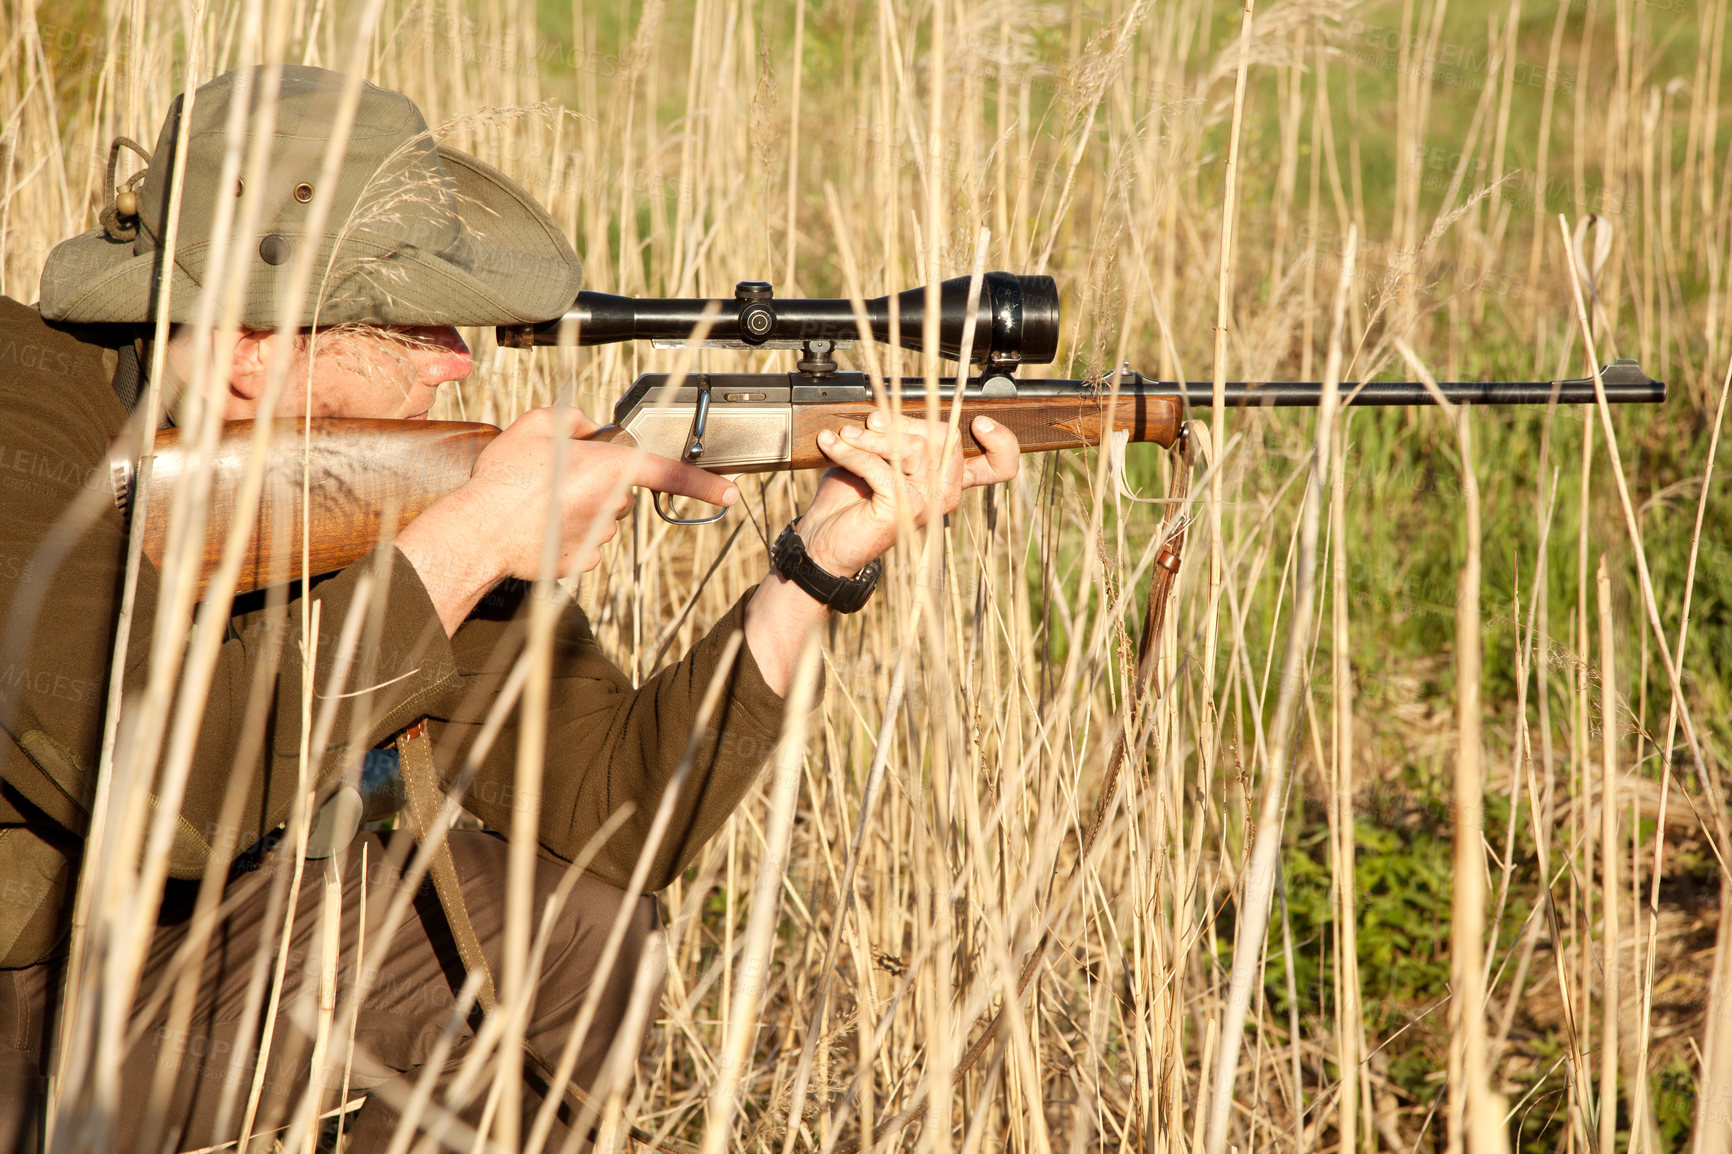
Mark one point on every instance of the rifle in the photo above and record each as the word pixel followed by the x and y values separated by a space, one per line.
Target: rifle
pixel 735 423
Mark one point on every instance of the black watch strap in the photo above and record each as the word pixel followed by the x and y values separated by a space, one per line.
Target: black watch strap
pixel 843 594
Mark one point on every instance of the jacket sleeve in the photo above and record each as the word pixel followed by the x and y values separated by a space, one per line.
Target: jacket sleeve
pixel 610 744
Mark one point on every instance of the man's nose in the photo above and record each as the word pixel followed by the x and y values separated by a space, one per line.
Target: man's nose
pixel 446 356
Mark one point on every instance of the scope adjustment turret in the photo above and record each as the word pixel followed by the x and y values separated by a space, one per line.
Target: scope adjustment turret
pixel 757 317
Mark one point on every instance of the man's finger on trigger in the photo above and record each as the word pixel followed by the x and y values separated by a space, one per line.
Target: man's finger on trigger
pixel 683 480
pixel 907 446
pixel 871 440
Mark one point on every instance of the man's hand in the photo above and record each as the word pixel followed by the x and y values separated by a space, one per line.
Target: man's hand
pixel 853 518
pixel 494 525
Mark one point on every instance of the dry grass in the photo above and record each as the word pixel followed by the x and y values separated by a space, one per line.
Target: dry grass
pixel 860 148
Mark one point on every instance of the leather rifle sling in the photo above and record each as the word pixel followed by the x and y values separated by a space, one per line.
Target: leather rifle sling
pixel 426 800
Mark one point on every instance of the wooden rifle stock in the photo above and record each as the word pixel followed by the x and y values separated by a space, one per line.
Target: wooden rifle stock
pixel 365 479
pixel 360 474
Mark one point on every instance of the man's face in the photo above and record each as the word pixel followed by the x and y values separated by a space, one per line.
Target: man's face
pixel 355 371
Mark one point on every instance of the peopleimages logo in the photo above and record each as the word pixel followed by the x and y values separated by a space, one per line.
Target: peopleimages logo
pixel 447 35
pixel 47 683
pixel 1521 188
pixel 1451 63
pixel 28 355
pixel 44 475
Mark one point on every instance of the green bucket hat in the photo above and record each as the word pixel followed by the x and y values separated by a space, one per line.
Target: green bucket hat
pixel 416 233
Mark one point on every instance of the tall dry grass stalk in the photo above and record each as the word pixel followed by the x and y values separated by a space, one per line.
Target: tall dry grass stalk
pixel 1474 1118
pixel 1369 187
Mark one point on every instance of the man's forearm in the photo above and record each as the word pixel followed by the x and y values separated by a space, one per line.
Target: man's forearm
pixel 453 566
pixel 778 618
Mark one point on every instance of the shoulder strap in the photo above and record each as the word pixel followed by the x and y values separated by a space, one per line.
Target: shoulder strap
pixel 426 798
pixel 421 783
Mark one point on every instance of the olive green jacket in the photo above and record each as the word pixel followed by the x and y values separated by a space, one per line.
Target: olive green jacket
pixel 62 567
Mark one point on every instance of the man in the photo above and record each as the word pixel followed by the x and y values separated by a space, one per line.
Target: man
pixel 416 238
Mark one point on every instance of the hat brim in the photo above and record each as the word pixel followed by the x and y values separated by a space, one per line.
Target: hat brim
pixel 513 266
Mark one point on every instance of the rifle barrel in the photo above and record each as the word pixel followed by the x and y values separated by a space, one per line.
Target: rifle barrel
pixel 1307 394
pixel 1625 383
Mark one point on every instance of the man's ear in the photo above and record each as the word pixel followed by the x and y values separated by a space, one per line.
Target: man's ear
pixel 252 357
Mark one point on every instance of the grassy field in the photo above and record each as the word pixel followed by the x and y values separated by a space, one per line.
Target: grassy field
pixel 1489 892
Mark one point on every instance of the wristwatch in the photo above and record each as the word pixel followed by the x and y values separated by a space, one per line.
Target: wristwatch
pixel 843 594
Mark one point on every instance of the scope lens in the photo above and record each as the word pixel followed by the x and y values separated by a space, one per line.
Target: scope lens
pixel 1039 336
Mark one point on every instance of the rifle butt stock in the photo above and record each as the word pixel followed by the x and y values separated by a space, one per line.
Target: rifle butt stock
pixel 360 479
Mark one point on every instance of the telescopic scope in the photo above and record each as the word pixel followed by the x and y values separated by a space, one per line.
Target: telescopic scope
pixel 1015 320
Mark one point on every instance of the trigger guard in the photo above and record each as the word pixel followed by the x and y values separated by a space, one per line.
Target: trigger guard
pixel 665 515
